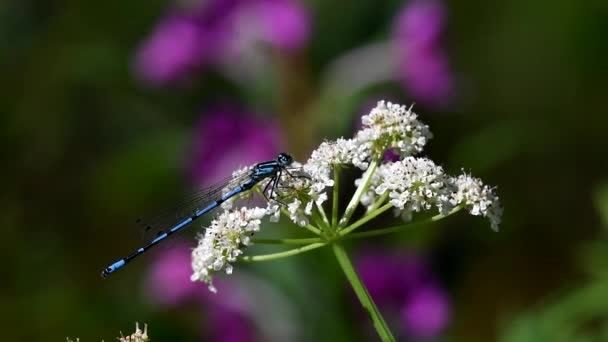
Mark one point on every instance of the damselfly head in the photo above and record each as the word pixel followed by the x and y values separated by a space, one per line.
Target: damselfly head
pixel 284 159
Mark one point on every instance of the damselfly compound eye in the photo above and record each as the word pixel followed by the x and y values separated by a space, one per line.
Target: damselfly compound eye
pixel 285 159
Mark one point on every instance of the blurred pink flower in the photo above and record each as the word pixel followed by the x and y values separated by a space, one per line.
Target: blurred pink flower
pixel 286 24
pixel 403 284
pixel 426 313
pixel 168 284
pixel 231 326
pixel 217 32
pixel 169 277
pixel 226 139
pixel 425 71
pixel 376 271
pixel 163 57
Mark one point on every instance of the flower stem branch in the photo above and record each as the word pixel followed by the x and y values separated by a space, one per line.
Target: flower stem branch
pixel 344 234
pixel 395 229
pixel 322 214
pixel 354 201
pixel 284 254
pixel 334 210
pixel 316 217
pixel 362 293
pixel 304 241
pixel 313 229
pixel 379 202
pixel 365 219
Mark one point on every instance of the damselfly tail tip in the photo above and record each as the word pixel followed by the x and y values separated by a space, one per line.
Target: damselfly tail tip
pixel 105 273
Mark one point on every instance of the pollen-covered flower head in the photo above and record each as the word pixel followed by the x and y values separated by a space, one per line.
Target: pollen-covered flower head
pixel 332 154
pixel 479 199
pixel 390 125
pixel 224 241
pixel 417 184
pixel 413 185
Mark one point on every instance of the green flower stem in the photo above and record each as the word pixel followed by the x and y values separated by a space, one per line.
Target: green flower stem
pixel 284 254
pixel 318 221
pixel 379 202
pixel 354 201
pixel 305 241
pixel 313 229
pixel 344 234
pixel 365 219
pixel 325 228
pixel 322 214
pixel 395 229
pixel 334 210
pixel 362 293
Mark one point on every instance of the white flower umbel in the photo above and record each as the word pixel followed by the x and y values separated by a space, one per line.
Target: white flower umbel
pixel 332 154
pixel 413 185
pixel 223 242
pixel 390 125
pixel 478 199
pixel 407 186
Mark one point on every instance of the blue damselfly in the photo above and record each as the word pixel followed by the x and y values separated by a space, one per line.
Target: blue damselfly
pixel 213 197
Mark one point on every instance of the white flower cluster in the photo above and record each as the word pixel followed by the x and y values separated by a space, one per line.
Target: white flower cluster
pixel 331 155
pixel 417 184
pixel 390 125
pixel 412 184
pixel 223 242
pixel 477 198
pixel 387 126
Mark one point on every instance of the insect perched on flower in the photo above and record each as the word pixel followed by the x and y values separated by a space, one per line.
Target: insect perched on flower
pixel 408 185
pixel 405 183
pixel 208 199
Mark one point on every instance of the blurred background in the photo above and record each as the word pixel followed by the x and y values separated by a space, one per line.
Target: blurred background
pixel 111 110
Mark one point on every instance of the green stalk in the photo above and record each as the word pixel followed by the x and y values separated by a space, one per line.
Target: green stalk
pixel 354 201
pixel 365 219
pixel 288 253
pixel 362 293
pixel 322 213
pixel 305 241
pixel 395 229
pixel 316 217
pixel 379 201
pixel 313 229
pixel 334 210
